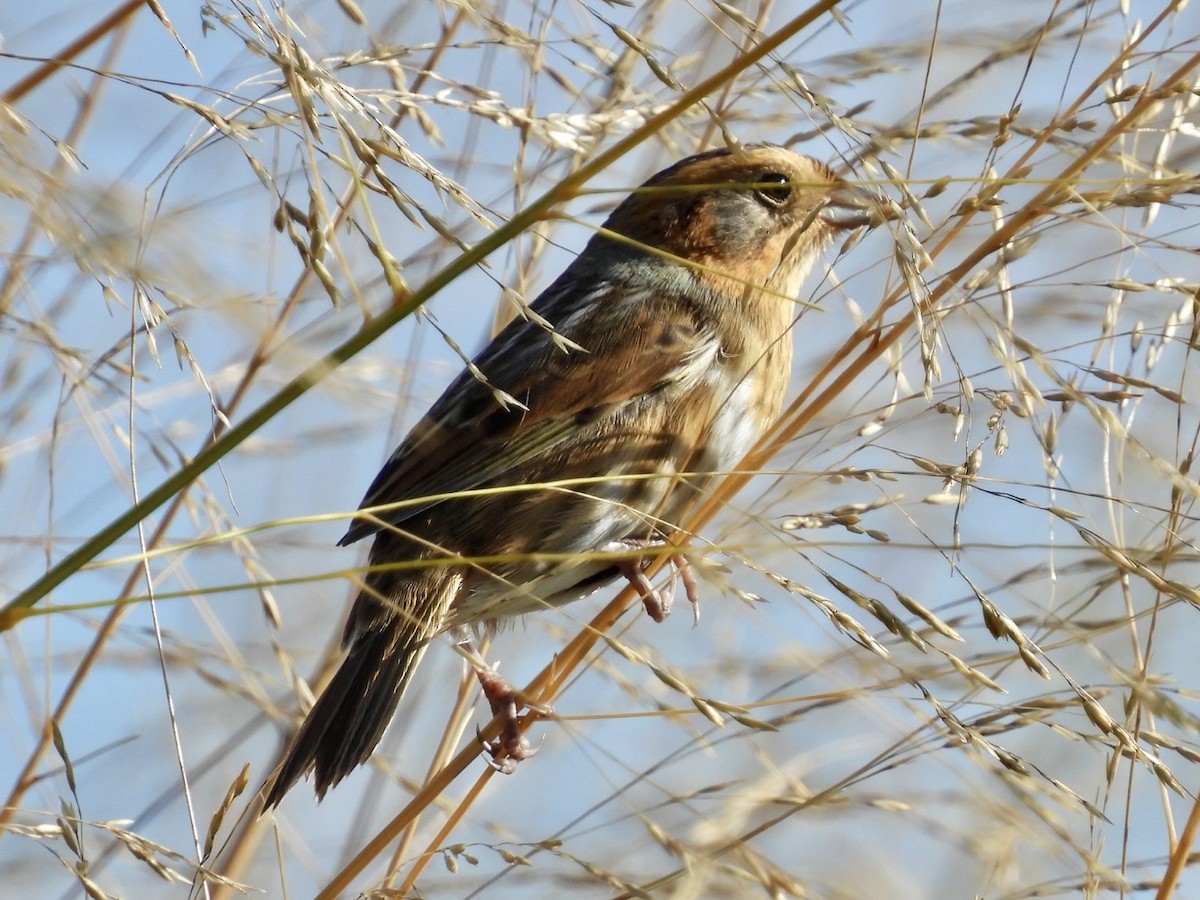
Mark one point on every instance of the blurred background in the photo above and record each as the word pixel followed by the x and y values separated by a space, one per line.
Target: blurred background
pixel 947 644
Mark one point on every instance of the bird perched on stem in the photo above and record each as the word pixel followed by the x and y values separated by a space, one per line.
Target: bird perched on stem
pixel 571 449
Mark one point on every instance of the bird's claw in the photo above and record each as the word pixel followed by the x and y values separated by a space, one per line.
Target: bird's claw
pixel 658 602
pixel 511 747
pixel 691 587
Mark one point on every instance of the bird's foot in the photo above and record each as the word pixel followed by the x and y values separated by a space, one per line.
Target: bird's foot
pixel 691 587
pixel 511 747
pixel 658 602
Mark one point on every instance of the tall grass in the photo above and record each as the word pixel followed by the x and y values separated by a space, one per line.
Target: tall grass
pixel 947 637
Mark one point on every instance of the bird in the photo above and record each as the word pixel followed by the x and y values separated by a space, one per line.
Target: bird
pixel 570 449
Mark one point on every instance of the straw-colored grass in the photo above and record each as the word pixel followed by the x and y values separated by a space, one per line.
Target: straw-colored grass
pixel 949 602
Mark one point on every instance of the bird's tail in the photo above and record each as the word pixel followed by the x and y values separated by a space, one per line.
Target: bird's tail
pixel 386 640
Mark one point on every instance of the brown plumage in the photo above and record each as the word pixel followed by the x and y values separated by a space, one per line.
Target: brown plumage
pixel 681 305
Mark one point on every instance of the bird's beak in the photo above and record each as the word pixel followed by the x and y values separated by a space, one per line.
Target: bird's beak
pixel 847 207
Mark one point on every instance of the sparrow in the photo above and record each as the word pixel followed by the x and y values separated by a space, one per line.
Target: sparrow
pixel 577 440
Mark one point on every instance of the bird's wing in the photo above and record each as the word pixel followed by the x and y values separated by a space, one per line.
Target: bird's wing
pixel 633 343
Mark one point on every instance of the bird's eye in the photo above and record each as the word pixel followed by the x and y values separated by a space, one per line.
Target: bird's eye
pixel 773 188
